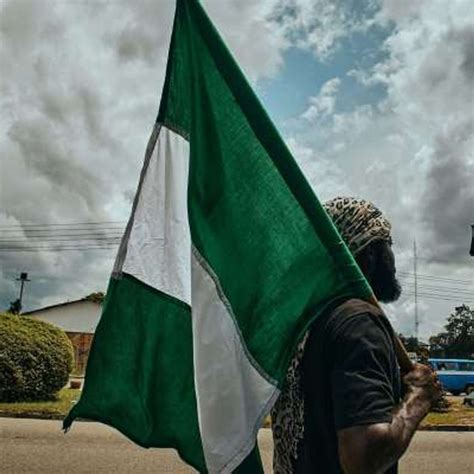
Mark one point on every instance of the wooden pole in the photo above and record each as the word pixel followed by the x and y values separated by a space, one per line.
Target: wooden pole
pixel 406 365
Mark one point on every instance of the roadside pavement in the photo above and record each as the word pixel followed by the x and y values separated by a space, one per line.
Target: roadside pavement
pixel 39 446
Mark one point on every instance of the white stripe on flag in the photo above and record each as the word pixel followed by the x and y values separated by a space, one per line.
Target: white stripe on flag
pixel 232 396
pixel 159 246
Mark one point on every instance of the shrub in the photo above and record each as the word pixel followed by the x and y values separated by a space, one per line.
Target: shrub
pixel 35 359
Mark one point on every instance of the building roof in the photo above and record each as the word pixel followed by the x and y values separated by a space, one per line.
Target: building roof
pixel 44 308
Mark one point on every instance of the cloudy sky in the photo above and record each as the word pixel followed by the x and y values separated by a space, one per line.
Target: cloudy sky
pixel 375 99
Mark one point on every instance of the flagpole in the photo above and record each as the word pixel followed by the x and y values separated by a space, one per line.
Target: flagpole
pixel 406 365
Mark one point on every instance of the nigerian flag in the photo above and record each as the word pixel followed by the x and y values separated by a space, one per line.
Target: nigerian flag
pixel 227 258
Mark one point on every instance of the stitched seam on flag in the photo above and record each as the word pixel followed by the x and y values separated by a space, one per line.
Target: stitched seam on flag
pixel 176 129
pixel 245 449
pixel 206 267
pixel 159 293
pixel 122 252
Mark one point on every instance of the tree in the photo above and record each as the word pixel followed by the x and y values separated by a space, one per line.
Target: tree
pixel 97 297
pixel 458 338
pixel 35 359
pixel 411 343
pixel 15 307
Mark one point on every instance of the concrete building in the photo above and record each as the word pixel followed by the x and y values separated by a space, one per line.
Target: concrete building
pixel 78 319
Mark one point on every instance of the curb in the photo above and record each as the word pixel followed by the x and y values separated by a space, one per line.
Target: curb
pixel 59 417
pixel 446 428
pixel 33 416
pixel 39 416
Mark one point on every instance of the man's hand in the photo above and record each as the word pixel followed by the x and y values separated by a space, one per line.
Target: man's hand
pixel 423 383
pixel 372 449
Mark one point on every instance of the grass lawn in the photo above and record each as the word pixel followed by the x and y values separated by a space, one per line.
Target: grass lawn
pixel 458 414
pixel 61 406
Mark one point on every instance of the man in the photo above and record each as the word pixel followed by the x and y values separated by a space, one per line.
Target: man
pixel 340 410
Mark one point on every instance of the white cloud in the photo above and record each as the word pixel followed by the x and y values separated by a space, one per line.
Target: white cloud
pixel 319 25
pixel 245 27
pixel 324 176
pixel 422 128
pixel 79 92
pixel 80 89
pixel 399 10
pixel 323 104
pixel 412 153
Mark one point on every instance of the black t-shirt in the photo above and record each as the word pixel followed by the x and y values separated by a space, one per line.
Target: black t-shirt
pixel 349 377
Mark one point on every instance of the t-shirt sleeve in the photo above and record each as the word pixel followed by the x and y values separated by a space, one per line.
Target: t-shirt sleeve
pixel 361 387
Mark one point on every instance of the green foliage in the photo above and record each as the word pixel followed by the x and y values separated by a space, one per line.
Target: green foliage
pixel 61 405
pixel 411 343
pixel 97 297
pixel 458 339
pixel 35 359
pixel 15 307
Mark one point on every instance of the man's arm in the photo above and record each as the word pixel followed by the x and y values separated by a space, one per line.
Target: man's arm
pixel 373 448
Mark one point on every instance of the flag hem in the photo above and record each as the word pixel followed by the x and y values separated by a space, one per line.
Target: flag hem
pixel 253 439
pixel 122 251
pixel 84 411
pixel 91 416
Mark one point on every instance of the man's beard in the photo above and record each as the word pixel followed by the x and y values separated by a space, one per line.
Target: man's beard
pixel 384 283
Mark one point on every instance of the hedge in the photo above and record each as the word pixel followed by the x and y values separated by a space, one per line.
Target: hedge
pixel 35 359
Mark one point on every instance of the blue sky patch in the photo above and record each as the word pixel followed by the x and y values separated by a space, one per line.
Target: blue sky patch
pixel 303 74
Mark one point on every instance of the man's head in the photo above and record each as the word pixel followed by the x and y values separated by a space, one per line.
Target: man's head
pixel 367 234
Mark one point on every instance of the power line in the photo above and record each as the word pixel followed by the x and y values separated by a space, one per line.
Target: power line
pixel 58 245
pixel 445 289
pixel 452 301
pixel 437 260
pixel 59 237
pixel 442 290
pixel 432 277
pixel 21 226
pixel 441 284
pixel 37 238
pixel 59 249
pixel 447 284
pixel 85 240
pixel 438 297
pixel 68 230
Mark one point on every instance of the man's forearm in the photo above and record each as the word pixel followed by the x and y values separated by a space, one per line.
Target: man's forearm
pixel 372 449
pixel 395 437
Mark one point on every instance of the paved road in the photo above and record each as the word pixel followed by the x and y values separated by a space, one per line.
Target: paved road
pixel 38 446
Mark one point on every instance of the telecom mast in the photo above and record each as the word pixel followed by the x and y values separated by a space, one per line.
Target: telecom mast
pixel 417 322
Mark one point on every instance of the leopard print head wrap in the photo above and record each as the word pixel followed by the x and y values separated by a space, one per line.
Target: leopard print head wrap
pixel 358 221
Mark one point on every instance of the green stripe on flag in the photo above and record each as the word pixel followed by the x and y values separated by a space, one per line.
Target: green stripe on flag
pixel 253 216
pixel 140 371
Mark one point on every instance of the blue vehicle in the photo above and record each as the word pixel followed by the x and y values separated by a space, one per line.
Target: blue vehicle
pixel 455 375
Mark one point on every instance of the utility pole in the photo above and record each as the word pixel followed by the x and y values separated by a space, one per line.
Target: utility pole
pixel 23 278
pixel 471 252
pixel 417 322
